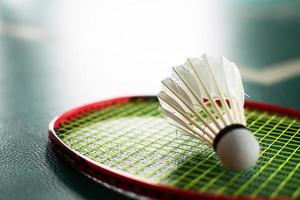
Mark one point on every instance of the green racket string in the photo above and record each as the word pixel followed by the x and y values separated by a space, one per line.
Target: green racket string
pixel 134 137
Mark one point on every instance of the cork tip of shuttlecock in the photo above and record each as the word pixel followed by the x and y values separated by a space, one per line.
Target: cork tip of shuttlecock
pixel 238 149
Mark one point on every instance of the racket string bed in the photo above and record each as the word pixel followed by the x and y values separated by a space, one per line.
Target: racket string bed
pixel 133 137
pixel 211 180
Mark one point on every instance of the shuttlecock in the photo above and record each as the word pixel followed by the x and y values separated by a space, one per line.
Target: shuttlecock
pixel 204 97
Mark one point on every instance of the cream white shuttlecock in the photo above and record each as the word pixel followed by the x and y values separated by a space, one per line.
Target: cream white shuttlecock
pixel 204 97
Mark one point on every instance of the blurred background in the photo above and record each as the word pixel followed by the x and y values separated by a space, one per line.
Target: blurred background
pixel 55 55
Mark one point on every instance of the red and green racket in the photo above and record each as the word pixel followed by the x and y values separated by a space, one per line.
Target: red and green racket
pixel 126 144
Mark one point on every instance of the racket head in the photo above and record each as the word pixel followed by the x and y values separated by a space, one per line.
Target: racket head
pixel 134 184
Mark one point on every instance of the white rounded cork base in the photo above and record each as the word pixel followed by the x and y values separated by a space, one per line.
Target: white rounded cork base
pixel 238 149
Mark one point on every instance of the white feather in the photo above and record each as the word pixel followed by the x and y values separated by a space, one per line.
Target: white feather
pixel 188 81
pixel 177 90
pixel 226 74
pixel 185 126
pixel 234 81
pixel 182 74
pixel 201 98
pixel 199 80
pixel 170 104
pixel 174 117
pixel 177 121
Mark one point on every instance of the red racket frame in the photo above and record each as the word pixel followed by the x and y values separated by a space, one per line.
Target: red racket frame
pixel 128 182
